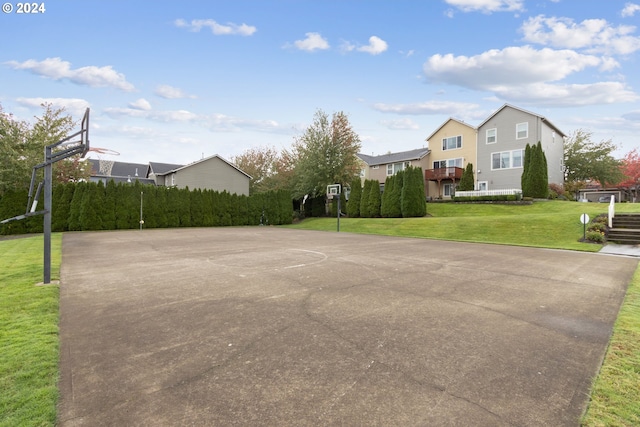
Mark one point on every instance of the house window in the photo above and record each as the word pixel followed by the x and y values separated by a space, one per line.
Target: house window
pixel 451 143
pixel 483 185
pixel 507 159
pixel 492 136
pixel 394 168
pixel 173 179
pixel 522 130
pixel 449 163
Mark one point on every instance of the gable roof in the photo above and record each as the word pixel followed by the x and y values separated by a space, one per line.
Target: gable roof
pixel 544 119
pixel 118 169
pixel 402 156
pixel 445 123
pixel 203 160
pixel 162 168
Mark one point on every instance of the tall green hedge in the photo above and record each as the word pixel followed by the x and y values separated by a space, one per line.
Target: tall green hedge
pixel 413 201
pixel 353 205
pixel 92 206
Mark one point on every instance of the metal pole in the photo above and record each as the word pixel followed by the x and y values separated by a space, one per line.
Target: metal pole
pixel 48 176
pixel 338 213
pixel 141 221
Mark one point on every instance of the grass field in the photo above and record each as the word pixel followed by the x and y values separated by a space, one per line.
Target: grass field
pixel 28 334
pixel 547 224
pixel 29 314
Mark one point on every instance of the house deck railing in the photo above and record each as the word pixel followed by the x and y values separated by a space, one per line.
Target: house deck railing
pixel 439 174
pixel 481 193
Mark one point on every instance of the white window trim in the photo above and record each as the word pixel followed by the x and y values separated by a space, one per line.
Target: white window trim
pixel 495 135
pixel 451 137
pixel 526 130
pixel 510 159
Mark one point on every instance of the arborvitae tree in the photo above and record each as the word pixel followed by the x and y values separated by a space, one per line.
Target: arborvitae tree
pixel 538 176
pixel 364 199
pixel 394 208
pixel 160 196
pixel 467 182
pixel 412 200
pixel 384 202
pixel 374 199
pixel 286 207
pixel 353 205
pixel 109 205
pixel 90 206
pixel 61 203
pixel 526 169
pixel 14 203
pixel 75 207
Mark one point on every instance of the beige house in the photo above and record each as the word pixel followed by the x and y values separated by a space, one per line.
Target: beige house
pixel 211 173
pixel 451 147
pixel 380 167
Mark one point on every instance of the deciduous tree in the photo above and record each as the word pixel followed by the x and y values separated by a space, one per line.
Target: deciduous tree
pixel 326 153
pixel 585 160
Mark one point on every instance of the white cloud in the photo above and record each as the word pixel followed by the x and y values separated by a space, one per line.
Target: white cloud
pixel 214 122
pixel 429 107
pixel 140 104
pixel 400 124
pixel 74 106
pixel 170 92
pixel 630 9
pixel 592 35
pixel 313 41
pixel 524 74
pixel 218 29
pixel 487 6
pixel 376 46
pixel 57 69
pixel 509 66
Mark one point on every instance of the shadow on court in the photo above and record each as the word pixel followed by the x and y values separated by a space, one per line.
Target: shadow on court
pixel 280 327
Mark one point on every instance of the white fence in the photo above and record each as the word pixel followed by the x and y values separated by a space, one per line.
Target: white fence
pixel 481 193
pixel 612 210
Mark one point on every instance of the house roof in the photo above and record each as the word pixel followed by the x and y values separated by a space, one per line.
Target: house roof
pixel 162 168
pixel 544 119
pixel 402 156
pixel 445 123
pixel 204 160
pixel 118 169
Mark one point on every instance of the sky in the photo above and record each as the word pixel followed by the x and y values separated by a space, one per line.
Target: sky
pixel 175 82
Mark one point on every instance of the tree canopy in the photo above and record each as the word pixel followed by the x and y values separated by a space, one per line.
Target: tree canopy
pixel 22 147
pixel 585 160
pixel 326 153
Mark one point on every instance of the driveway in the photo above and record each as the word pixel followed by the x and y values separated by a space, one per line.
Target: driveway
pixel 279 327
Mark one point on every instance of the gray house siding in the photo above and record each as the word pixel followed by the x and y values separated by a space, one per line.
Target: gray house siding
pixel 505 123
pixel 212 174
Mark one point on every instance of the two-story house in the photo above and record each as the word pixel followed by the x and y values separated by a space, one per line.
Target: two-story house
pixel 501 143
pixel 451 147
pixel 382 166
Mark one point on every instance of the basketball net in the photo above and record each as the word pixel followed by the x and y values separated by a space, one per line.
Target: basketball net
pixel 104 166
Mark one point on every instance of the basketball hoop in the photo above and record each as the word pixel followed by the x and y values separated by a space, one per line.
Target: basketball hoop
pixel 104 166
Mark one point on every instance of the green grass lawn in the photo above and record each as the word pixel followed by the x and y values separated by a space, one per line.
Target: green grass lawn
pixel 28 334
pixel 29 314
pixel 552 224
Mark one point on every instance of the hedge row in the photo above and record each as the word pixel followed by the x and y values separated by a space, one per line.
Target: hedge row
pixel 94 206
pixel 503 198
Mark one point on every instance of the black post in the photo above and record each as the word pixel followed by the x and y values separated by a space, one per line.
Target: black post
pixel 338 213
pixel 48 176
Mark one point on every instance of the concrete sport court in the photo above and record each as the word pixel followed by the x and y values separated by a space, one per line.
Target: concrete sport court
pixel 280 327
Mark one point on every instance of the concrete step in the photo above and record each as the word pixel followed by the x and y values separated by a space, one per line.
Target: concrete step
pixel 624 236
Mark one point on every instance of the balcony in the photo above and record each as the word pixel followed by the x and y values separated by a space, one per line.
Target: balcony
pixel 440 174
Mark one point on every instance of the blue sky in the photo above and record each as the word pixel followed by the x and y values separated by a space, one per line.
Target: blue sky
pixel 175 81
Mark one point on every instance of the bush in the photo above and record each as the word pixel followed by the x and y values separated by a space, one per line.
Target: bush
pixel 597 226
pixel 595 236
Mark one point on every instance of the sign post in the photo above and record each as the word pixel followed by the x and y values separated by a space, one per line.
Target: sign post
pixel 584 219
